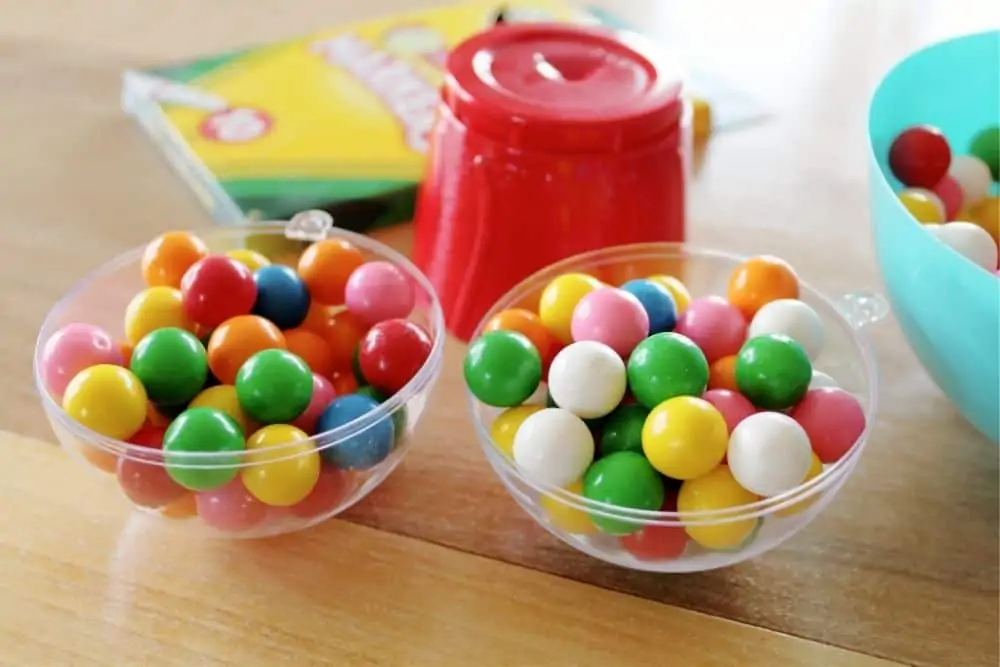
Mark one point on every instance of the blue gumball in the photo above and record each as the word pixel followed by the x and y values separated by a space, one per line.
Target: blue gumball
pixel 282 297
pixel 360 451
pixel 657 301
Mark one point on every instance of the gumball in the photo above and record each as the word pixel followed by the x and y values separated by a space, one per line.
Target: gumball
pixel 502 369
pixel 142 475
pixel 622 430
pixel 588 379
pixel 152 309
pixel 972 176
pixel 657 301
pixel 73 348
pixel 237 340
pixel 761 280
pixel 185 507
pixel 109 400
pixel 821 379
pixel 733 407
pixel 833 419
pixel 657 542
pixel 986 146
pixel 344 383
pixel 156 418
pixel 344 334
pixel 282 296
pixel 378 291
pixel 714 325
pixel 666 365
pixel 794 319
pixel 924 205
pixel 773 371
pixel 392 353
pixel 319 318
pixel 505 426
pixel 553 446
pixel 986 214
pixel 251 259
pixel 283 465
pixel 231 508
pixel 126 349
pixel 625 480
pixel 333 487
pixel 528 323
pixel 677 290
pixel 714 491
pixel 769 453
pixel 815 470
pixel 920 156
pixel 969 240
pixel 684 437
pixel 203 431
pixel 722 373
pixel 950 193
pixel 564 516
pixel 312 349
pixel 171 364
pixel 216 289
pixel 360 451
pixel 223 398
pixel 559 300
pixel 169 256
pixel 322 394
pixel 274 386
pixel 326 266
pixel 610 316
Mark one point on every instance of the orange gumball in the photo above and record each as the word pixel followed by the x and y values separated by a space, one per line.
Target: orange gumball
pixel 344 382
pixel 527 323
pixel 184 507
pixel 343 336
pixel 169 256
pixel 722 374
pixel 325 267
pixel 312 349
pixel 99 458
pixel 155 418
pixel 759 281
pixel 319 318
pixel 236 340
pixel 126 349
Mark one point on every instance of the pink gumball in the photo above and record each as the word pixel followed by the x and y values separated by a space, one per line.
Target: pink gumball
pixel 833 419
pixel 733 406
pixel 379 291
pixel 230 508
pixel 332 489
pixel 715 325
pixel 323 393
pixel 950 193
pixel 72 349
pixel 611 316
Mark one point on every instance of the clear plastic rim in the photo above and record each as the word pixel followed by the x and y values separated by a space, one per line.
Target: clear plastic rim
pixel 213 460
pixel 763 507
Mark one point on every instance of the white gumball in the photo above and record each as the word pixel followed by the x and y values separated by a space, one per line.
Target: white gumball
pixel 969 240
pixel 769 453
pixel 553 446
pixel 588 379
pixel 821 379
pixel 973 176
pixel 793 318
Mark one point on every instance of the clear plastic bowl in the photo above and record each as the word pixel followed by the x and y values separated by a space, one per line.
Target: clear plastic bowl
pixel 101 297
pixel 847 357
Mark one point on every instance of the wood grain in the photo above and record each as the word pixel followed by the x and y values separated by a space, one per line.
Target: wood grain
pixel 902 565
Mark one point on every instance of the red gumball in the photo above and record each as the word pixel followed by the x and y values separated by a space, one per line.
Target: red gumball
pixel 392 352
pixel 657 542
pixel 833 419
pixel 332 488
pixel 142 476
pixel 920 156
pixel 217 288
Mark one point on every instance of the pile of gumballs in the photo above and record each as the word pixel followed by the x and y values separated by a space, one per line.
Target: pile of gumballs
pixel 219 400
pixel 951 194
pixel 643 398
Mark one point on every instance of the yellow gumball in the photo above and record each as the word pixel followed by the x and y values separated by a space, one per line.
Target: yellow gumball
pixel 677 290
pixel 566 517
pixel 559 299
pixel 685 437
pixel 504 427
pixel 286 475
pixel 107 399
pixel 223 398
pixel 923 205
pixel 155 308
pixel 986 214
pixel 251 259
pixel 815 469
pixel 701 118
pixel 716 490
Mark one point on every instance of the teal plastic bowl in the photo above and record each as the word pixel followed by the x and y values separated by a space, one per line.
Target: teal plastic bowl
pixel 948 308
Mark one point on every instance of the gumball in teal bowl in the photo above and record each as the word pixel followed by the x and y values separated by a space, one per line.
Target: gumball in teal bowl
pixel 945 296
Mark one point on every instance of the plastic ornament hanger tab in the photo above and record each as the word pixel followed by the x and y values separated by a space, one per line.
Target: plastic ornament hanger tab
pixel 862 309
pixel 309 226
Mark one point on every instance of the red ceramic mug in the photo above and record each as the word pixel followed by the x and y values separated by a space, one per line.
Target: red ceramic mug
pixel 550 140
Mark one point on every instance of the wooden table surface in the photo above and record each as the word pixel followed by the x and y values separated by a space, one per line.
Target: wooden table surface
pixel 439 567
